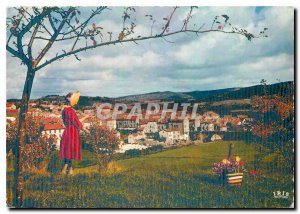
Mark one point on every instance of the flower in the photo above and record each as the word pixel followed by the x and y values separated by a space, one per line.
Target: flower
pixel 225 161
pixel 241 163
pixel 253 172
pixel 231 165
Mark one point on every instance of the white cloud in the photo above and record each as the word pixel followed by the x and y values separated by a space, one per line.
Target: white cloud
pixel 210 61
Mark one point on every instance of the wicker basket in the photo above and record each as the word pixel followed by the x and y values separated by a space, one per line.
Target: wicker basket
pixel 234 179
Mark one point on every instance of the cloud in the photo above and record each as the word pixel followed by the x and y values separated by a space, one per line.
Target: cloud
pixel 205 62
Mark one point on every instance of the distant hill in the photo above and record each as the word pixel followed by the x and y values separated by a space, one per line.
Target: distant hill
pixel 166 95
pixel 282 88
pixel 212 95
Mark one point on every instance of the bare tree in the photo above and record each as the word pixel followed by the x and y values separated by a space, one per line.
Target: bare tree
pixel 47 26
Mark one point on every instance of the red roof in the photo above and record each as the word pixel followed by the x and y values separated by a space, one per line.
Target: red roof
pixel 9 104
pixel 125 117
pixel 141 128
pixel 12 110
pixel 55 126
pixel 51 120
pixel 172 130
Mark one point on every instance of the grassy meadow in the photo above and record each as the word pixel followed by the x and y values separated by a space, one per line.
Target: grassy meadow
pixel 177 178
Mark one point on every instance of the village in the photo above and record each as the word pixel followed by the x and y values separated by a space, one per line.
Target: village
pixel 141 132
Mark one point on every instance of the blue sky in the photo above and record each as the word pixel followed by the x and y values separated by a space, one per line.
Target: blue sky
pixel 210 61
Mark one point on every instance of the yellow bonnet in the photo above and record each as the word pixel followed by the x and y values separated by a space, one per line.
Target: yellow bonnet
pixel 74 98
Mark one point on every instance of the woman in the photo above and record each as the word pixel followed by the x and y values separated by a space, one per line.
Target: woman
pixel 70 145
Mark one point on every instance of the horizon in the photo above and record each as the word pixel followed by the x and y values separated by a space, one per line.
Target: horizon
pixel 154 92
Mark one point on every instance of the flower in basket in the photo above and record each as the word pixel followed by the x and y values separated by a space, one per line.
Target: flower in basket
pixel 232 165
pixel 225 161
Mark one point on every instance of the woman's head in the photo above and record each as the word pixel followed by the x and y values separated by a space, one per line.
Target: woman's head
pixel 68 98
pixel 72 98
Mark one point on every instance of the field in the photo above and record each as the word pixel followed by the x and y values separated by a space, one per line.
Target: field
pixel 178 178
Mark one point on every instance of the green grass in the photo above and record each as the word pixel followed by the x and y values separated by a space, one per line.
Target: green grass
pixel 178 178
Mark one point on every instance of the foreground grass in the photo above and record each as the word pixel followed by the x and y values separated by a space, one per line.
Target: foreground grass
pixel 179 178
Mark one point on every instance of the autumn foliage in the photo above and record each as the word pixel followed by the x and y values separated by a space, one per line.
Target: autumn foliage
pixel 274 126
pixel 272 110
pixel 103 141
pixel 37 146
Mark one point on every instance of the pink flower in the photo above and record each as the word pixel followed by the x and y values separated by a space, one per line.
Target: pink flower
pixel 253 172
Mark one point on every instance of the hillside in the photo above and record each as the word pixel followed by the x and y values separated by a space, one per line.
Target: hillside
pixel 283 88
pixel 178 178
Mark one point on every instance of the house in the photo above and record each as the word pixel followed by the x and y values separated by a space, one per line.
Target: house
pixel 151 127
pixel 210 115
pixel 34 111
pixel 10 119
pixel 86 123
pixel 10 106
pixel 103 111
pixel 111 124
pixel 171 135
pixel 216 137
pixel 223 128
pixel 162 124
pixel 54 129
pixel 90 112
pixel 134 137
pixel 12 112
pixel 210 127
pixel 236 121
pixel 32 104
pixel 126 123
pixel 117 134
pixel 183 125
pixel 124 147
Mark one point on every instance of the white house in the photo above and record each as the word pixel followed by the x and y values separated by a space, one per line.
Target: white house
pixel 216 137
pixel 210 127
pixel 11 119
pixel 186 126
pixel 125 147
pixel 210 115
pixel 151 127
pixel 171 135
pixel 197 124
pixel 10 106
pixel 132 138
pixel 111 124
pixel 54 129
pixel 223 128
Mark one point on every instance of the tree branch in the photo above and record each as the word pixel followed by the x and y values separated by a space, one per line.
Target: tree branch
pixel 52 23
pixel 50 43
pixel 20 35
pixel 169 20
pixel 131 40
pixel 13 51
pixel 31 40
pixel 97 11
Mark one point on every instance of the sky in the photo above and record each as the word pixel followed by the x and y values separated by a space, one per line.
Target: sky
pixel 185 62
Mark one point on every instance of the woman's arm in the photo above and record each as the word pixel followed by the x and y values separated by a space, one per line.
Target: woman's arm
pixel 82 119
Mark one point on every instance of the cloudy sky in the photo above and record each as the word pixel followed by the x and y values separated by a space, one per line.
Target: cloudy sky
pixel 185 62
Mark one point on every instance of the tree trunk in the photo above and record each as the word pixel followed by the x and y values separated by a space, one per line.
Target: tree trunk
pixel 20 143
